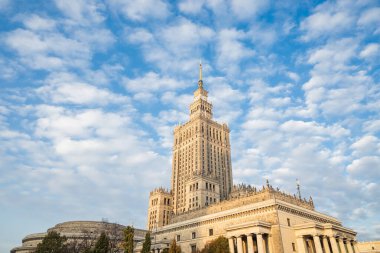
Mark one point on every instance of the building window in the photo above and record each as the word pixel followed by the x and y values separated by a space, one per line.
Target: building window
pixel 178 238
pixel 193 248
pixel 211 232
pixel 193 235
pixel 293 246
pixel 288 221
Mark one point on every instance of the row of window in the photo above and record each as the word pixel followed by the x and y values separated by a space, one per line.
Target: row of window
pixel 210 132
pixel 194 234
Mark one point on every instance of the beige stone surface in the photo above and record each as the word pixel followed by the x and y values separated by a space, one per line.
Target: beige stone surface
pixel 370 247
pixel 160 208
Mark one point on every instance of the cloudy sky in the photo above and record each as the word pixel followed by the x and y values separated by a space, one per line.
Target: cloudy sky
pixel 90 92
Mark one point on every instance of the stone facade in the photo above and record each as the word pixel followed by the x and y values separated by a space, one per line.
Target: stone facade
pixel 202 155
pixel 369 247
pixel 265 221
pixel 160 208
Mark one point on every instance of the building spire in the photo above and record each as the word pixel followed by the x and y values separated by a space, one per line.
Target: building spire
pixel 298 188
pixel 200 82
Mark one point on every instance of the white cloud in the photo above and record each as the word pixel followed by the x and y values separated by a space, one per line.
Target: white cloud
pixel 47 51
pixel 371 50
pixel 231 50
pixel 82 12
pixel 35 22
pixel 139 35
pixel 152 82
pixel 313 128
pixel 334 55
pixel 263 35
pixel 294 76
pixel 279 102
pixel 366 167
pixel 226 99
pixel 366 146
pixel 248 10
pixel 260 124
pixel 336 86
pixel 328 19
pixel 141 10
pixel 98 38
pixel 372 126
pixel 179 101
pixel 183 37
pixel 68 89
pixel 78 93
pixel 370 16
pixel 175 48
pixel 191 6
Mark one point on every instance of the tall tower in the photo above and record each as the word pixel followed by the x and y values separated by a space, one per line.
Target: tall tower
pixel 201 166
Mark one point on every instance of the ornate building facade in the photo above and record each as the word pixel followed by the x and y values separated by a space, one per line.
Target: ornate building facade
pixel 205 204
pixel 201 167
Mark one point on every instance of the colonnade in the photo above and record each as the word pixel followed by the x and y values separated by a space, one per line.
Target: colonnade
pixel 326 244
pixel 250 243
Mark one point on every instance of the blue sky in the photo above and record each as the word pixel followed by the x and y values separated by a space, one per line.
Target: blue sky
pixel 91 90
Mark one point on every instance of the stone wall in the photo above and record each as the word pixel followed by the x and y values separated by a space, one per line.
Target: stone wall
pixel 247 197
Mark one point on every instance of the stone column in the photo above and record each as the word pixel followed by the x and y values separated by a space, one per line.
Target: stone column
pixel 260 243
pixel 270 249
pixel 326 244
pixel 355 244
pixel 334 245
pixel 231 244
pixel 310 245
pixel 250 243
pixel 349 246
pixel 239 245
pixel 317 243
pixel 301 244
pixel 341 245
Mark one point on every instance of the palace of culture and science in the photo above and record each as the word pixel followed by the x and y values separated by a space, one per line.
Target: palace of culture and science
pixel 203 203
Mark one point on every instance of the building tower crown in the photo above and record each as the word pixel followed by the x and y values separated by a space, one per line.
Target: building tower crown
pixel 200 106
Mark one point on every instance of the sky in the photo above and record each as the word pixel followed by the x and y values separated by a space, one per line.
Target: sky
pixel 90 92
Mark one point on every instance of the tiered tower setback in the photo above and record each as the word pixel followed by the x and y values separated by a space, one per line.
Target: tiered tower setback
pixel 160 208
pixel 201 167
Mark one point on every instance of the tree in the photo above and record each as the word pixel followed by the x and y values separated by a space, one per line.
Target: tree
pixel 115 235
pixel 84 244
pixel 129 233
pixel 219 245
pixel 147 243
pixel 102 244
pixel 53 242
pixel 174 248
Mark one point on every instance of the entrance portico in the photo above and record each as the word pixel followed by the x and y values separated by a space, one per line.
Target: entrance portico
pixel 325 238
pixel 252 237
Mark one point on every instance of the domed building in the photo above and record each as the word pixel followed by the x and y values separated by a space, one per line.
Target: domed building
pixel 81 232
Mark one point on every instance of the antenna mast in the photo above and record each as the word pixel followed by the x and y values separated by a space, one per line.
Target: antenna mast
pixel 298 188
